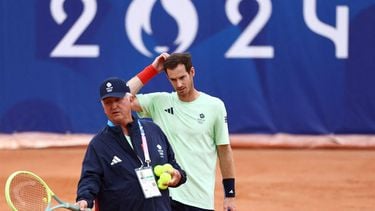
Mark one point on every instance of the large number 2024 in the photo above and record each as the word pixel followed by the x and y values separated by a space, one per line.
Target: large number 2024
pixel 241 48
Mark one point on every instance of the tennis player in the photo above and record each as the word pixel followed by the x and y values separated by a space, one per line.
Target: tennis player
pixel 196 126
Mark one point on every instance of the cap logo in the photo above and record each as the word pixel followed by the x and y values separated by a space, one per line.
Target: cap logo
pixel 109 87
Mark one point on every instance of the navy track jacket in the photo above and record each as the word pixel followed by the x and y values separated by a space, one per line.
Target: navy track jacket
pixel 108 169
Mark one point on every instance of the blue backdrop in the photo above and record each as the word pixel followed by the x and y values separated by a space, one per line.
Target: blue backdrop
pixel 300 66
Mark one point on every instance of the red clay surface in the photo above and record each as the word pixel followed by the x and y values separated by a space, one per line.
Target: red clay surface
pixel 267 179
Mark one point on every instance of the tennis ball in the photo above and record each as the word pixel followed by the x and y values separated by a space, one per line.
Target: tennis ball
pixel 165 178
pixel 162 186
pixel 158 170
pixel 167 167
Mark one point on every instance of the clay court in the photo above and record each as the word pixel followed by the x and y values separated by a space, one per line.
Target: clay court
pixel 267 179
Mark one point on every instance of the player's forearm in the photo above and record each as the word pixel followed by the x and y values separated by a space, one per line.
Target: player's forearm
pixel 227 170
pixel 135 84
pixel 226 161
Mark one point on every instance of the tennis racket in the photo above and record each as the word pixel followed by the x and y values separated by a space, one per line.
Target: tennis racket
pixel 26 191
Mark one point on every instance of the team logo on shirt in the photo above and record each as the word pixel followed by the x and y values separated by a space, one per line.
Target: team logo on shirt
pixel 201 118
pixel 160 150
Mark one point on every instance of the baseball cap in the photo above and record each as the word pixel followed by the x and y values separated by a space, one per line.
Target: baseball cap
pixel 113 87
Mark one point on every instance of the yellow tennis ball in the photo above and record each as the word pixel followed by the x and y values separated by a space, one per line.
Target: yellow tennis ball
pixel 158 170
pixel 165 178
pixel 161 186
pixel 168 167
pixel 45 200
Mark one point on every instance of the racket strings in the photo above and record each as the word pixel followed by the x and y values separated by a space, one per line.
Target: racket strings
pixel 27 193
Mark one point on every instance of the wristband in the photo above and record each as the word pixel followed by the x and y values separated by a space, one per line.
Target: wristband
pixel 146 74
pixel 229 187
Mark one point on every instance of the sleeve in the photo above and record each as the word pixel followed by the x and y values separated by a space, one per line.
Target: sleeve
pixel 89 183
pixel 221 125
pixel 149 103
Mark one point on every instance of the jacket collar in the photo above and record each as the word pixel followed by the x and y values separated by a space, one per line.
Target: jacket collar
pixel 117 128
pixel 134 133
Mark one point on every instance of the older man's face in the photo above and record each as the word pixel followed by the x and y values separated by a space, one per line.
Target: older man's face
pixel 117 109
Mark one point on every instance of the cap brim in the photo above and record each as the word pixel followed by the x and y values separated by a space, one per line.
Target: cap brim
pixel 114 94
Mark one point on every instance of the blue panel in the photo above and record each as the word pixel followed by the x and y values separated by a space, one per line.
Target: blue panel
pixel 303 87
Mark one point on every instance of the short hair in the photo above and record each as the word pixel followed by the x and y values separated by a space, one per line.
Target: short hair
pixel 178 58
